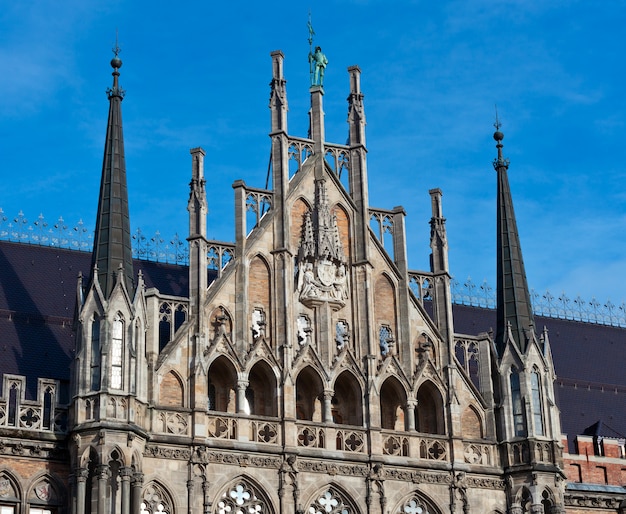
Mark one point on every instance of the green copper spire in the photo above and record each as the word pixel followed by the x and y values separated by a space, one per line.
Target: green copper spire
pixel 514 310
pixel 112 241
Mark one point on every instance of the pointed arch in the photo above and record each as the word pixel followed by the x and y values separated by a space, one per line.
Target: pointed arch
pixel 299 208
pixel 243 495
pixel 347 402
pixel 471 423
pixel 393 400
pixel 536 401
pixel 517 405
pixel 45 491
pixel 156 499
pixel 13 490
pixel 94 353
pixel 309 395
pixel 429 412
pixel 116 351
pixel 524 499
pixel 343 227
pixel 259 296
pixel 171 390
pixel 385 314
pixel 416 502
pixel 222 393
pixel 547 500
pixel 262 391
pixel 332 499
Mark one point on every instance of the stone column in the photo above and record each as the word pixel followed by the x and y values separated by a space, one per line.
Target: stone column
pixel 103 473
pixel 207 499
pixel 410 415
pixel 328 407
pixel 126 474
pixel 516 509
pixel 137 484
pixel 242 385
pixel 190 485
pixel 80 475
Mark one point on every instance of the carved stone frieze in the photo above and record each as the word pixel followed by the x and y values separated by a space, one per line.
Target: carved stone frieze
pixel 417 477
pixel 166 452
pixel 34 449
pixel 594 500
pixel 485 482
pixel 332 468
pixel 204 456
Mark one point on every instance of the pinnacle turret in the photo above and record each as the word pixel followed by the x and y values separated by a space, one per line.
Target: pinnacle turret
pixel 514 310
pixel 112 240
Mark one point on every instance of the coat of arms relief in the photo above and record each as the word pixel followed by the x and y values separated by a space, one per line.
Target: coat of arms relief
pixel 321 262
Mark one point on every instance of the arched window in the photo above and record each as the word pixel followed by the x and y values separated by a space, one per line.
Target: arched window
pixel 95 354
pixel 261 391
pixel 519 424
pixel 14 393
pixel 156 500
pixel 242 497
pixel 222 381
pixel 47 408
pixel 347 404
pixel 392 404
pixel 429 410
pixel 309 395
pixel 331 501
pixel 535 388
pixel 117 352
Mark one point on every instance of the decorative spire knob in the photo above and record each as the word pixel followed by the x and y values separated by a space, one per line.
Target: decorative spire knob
pixel 116 64
pixel 498 137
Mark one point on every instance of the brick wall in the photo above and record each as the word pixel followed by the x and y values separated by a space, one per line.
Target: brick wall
pixel 587 467
pixel 259 284
pixel 343 225
pixel 471 425
pixel 385 303
pixel 171 391
pixel 298 209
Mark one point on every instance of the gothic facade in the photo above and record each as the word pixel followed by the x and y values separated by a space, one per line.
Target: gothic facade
pixel 311 372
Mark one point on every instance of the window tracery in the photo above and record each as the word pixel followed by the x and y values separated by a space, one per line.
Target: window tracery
pixel 117 352
pixel 535 387
pixel 519 425
pixel 155 500
pixel 241 499
pixel 95 354
pixel 330 502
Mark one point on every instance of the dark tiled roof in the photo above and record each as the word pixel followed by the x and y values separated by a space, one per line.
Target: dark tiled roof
pixel 37 303
pixel 589 361
pixel 38 296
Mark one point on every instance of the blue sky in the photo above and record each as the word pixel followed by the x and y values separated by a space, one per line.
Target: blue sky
pixel 197 74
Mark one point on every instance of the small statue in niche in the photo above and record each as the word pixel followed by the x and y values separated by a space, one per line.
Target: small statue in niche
pixel 304 330
pixel 386 341
pixel 258 323
pixel 342 335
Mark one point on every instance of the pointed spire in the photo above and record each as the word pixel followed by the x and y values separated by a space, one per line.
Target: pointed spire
pixel 112 242
pixel 514 310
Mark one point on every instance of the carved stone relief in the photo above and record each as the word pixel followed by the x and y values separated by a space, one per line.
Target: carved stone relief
pixel 321 262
